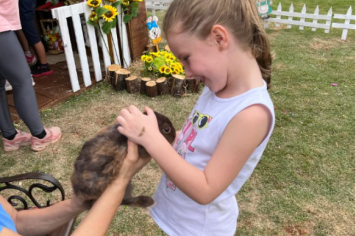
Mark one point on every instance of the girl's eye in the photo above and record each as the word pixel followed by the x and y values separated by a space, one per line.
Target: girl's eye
pixel 167 130
pixel 185 58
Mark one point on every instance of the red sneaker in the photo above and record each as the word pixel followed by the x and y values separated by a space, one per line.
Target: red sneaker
pixel 21 139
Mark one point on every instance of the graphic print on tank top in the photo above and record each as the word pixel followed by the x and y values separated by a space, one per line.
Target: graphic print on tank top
pixel 185 139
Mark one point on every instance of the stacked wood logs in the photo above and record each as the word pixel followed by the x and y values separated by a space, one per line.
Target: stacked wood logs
pixel 176 85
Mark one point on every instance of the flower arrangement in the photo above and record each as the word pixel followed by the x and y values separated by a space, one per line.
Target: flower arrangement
pixel 161 64
pixel 109 11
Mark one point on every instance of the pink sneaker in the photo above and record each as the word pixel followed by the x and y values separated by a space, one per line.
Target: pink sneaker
pixel 52 136
pixel 21 139
pixel 31 60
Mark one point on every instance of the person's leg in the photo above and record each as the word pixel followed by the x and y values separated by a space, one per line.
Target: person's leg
pixel 41 52
pixel 31 59
pixel 27 16
pixel 14 68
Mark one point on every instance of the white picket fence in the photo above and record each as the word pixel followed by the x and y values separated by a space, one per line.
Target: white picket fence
pixel 346 25
pixel 74 11
pixel 315 17
pixel 302 16
pixel 287 17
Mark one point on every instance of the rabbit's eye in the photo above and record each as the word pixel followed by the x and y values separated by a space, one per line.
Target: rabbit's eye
pixel 167 129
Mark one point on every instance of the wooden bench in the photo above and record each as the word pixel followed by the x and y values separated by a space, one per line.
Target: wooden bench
pixel 21 195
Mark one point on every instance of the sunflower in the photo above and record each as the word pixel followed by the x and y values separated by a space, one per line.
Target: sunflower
pixel 149 59
pixel 150 68
pixel 156 54
pixel 125 3
pixel 93 17
pixel 137 0
pixel 143 58
pixel 167 70
pixel 176 71
pixel 110 14
pixel 93 3
pixel 162 69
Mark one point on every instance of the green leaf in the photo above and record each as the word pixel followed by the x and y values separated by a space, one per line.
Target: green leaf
pixel 134 11
pixel 158 62
pixel 90 22
pixel 100 11
pixel 134 5
pixel 116 4
pixel 106 27
pixel 114 22
pixel 93 24
pixel 127 18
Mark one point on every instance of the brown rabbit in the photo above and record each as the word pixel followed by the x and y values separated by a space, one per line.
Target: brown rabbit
pixel 100 160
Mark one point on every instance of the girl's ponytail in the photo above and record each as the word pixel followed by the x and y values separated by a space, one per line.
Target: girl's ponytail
pixel 259 45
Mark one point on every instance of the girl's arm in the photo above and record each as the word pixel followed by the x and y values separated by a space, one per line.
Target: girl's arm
pixel 241 137
pixel 96 223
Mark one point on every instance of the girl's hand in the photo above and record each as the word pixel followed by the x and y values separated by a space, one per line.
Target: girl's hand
pixel 132 163
pixel 138 127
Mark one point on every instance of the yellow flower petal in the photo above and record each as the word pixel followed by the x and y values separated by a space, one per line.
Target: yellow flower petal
pixel 111 14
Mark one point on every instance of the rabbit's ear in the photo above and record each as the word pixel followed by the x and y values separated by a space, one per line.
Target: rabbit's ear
pixel 149 19
pixel 155 18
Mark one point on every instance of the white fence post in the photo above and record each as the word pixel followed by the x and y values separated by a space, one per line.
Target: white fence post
pixel 61 15
pixel 346 25
pixel 328 22
pixel 80 43
pixel 124 40
pixel 290 18
pixel 302 19
pixel 279 8
pixel 315 21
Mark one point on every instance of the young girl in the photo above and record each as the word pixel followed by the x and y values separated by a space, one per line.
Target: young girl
pixel 223 44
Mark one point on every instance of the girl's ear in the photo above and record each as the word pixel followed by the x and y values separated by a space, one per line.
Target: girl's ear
pixel 220 36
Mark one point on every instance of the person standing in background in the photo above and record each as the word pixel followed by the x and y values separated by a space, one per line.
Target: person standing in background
pixel 14 68
pixel 27 16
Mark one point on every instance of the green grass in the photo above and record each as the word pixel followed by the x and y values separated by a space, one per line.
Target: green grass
pixel 304 183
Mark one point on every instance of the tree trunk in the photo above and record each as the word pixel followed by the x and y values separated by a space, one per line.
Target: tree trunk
pixel 110 73
pixel 144 80
pixel 119 82
pixel 178 89
pixel 162 86
pixel 151 89
pixel 193 85
pixel 132 84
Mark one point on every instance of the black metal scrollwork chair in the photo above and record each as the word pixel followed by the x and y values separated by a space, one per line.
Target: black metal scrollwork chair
pixel 45 183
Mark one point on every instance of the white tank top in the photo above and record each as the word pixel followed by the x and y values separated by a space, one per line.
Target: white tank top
pixel 176 213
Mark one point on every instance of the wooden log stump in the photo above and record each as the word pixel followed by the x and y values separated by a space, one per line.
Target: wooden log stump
pixel 132 84
pixel 151 89
pixel 193 85
pixel 119 83
pixel 162 86
pixel 178 89
pixel 144 80
pixel 110 73
pixel 151 48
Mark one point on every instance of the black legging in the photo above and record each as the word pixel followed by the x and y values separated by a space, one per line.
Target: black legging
pixel 14 68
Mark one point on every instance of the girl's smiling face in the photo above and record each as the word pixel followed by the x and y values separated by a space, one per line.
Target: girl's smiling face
pixel 203 59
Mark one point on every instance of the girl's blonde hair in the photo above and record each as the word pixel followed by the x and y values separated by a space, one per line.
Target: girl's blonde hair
pixel 239 16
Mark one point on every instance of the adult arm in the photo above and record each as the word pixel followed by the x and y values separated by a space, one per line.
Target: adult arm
pixel 240 138
pixel 96 223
